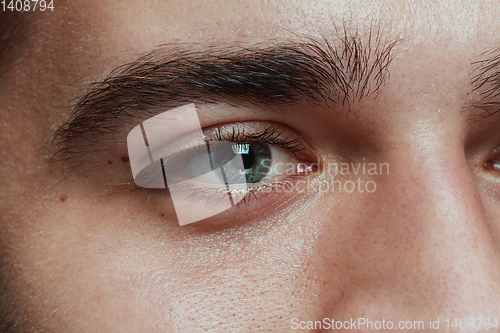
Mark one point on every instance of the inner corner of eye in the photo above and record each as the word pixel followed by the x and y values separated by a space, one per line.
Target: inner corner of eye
pixel 307 167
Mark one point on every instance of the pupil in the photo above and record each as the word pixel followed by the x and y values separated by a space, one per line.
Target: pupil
pixel 248 159
pixel 250 164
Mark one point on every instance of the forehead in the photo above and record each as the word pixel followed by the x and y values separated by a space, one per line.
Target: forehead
pixel 97 36
pixel 138 25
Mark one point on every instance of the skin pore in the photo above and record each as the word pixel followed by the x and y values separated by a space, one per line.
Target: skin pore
pixel 81 251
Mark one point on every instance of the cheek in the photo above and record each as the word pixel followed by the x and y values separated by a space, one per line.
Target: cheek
pixel 97 264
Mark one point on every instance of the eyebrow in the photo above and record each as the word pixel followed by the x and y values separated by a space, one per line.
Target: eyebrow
pixel 485 79
pixel 277 74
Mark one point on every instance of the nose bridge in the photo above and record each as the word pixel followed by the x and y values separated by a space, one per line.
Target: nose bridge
pixel 440 192
pixel 449 241
pixel 451 234
pixel 425 247
pixel 441 197
pixel 441 203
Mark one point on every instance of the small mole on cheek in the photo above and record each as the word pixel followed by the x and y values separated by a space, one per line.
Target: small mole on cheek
pixel 110 162
pixel 162 215
pixel 63 197
pixel 125 159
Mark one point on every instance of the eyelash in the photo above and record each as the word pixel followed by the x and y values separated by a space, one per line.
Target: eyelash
pixel 272 135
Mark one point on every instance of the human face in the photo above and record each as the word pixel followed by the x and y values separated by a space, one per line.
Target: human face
pixel 82 250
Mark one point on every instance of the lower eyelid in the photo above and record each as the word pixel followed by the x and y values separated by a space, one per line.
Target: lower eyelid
pixel 255 201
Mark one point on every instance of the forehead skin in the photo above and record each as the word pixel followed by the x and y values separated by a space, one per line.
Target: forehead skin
pixel 80 257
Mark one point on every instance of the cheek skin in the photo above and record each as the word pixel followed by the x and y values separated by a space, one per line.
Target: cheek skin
pixel 115 262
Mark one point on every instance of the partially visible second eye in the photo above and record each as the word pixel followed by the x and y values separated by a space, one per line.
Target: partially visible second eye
pixel 494 162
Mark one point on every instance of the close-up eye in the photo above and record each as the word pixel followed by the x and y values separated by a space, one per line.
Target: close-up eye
pixel 493 163
pixel 207 171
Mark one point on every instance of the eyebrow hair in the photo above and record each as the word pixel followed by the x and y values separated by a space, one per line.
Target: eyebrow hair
pixel 485 79
pixel 282 73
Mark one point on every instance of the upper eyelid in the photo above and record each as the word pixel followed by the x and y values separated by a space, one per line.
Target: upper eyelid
pixel 270 134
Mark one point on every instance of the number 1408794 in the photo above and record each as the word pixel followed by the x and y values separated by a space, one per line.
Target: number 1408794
pixel 27 5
